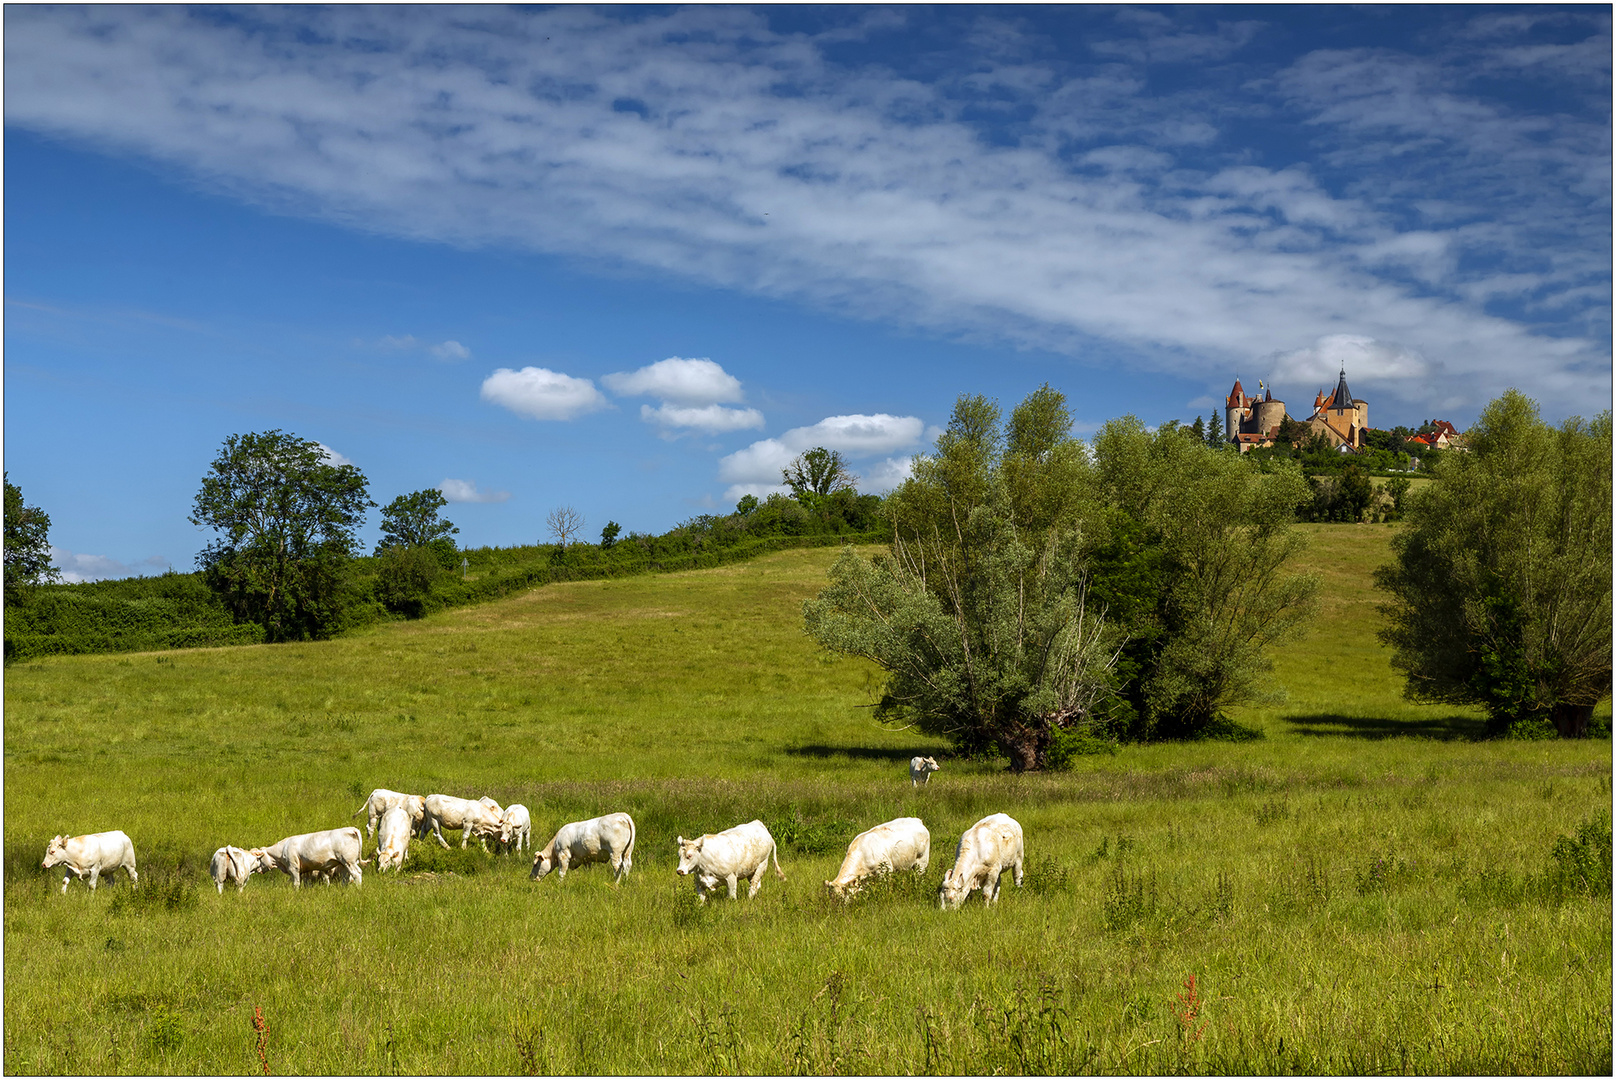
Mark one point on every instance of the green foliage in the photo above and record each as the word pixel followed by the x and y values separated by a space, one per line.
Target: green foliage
pixel 413 521
pixel 1581 864
pixel 814 474
pixel 405 577
pixel 608 535
pixel 288 519
pixel 170 611
pixel 27 546
pixel 1501 584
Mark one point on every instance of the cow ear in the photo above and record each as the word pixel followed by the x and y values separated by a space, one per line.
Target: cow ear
pixel 679 840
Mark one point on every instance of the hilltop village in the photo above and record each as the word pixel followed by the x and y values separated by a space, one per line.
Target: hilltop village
pixel 1338 418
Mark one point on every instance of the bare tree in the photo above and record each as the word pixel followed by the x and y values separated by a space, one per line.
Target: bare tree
pixel 565 524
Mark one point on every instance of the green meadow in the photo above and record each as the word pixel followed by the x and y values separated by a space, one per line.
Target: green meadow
pixel 1367 888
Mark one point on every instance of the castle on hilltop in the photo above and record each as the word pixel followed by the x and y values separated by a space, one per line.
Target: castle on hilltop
pixel 1255 421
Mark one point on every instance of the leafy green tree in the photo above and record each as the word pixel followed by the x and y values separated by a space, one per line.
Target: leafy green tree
pixel 288 519
pixel 608 535
pixel 979 612
pixel 747 504
pixel 1354 492
pixel 1500 582
pixel 27 545
pixel 1192 564
pixel 815 473
pixel 413 520
pixel 1214 431
pixel 1293 432
pixel 1397 489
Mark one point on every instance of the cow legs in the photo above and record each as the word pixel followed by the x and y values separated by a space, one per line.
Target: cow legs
pixel 66 879
pixel 95 877
pixel 757 880
pixel 730 879
pixel 437 831
pixel 1018 873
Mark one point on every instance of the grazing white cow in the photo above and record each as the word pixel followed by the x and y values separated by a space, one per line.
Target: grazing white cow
pixel 90 856
pixel 920 770
pixel 986 850
pixel 232 864
pixel 516 825
pixel 743 851
pixel 381 800
pixel 608 839
pixel 314 854
pixel 394 842
pixel 472 818
pixel 900 844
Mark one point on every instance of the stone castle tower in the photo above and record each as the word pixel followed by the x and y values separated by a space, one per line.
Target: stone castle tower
pixel 1254 421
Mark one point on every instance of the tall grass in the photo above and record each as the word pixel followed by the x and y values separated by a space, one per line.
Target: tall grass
pixel 1366 889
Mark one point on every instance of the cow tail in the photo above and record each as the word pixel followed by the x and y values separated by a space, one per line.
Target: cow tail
pixel 633 834
pixel 776 853
pixel 359 811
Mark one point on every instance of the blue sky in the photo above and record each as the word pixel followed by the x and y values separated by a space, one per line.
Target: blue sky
pixel 632 260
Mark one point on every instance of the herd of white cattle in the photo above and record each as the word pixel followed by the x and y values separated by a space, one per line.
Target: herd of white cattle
pixel 986 850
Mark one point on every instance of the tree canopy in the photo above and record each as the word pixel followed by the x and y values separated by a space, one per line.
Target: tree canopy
pixel 818 472
pixel 413 521
pixel 1500 588
pixel 288 519
pixel 27 544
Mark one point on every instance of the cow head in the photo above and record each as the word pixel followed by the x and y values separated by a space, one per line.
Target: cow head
pixel 953 891
pixel 541 865
pixel 689 852
pixel 55 852
pixel 840 891
pixel 262 860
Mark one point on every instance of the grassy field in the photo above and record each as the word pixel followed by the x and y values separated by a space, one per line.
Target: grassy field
pixel 1366 889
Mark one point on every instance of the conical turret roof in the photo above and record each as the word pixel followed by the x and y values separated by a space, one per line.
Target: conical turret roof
pixel 1343 396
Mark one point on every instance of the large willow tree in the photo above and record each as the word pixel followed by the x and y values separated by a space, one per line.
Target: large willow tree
pixel 1501 583
pixel 1034 590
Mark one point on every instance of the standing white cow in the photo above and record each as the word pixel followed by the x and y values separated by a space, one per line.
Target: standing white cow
pixel 472 818
pixel 232 864
pixel 314 854
pixel 920 770
pixel 394 841
pixel 516 826
pixel 900 844
pixel 743 851
pixel 608 839
pixel 90 856
pixel 986 850
pixel 381 800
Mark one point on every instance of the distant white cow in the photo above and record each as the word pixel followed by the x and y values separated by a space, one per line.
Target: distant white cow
pixel 394 842
pixel 608 839
pixel 381 800
pixel 743 851
pixel 232 864
pixel 472 818
pixel 920 770
pixel 315 854
pixel 90 856
pixel 516 826
pixel 986 850
pixel 900 844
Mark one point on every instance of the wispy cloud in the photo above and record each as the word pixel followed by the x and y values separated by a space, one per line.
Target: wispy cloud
pixel 1065 204
pixel 332 456
pixel 465 491
pixel 78 568
pixel 541 394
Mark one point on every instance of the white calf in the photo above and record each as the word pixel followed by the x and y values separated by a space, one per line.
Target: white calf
pixel 90 856
pixel 986 850
pixel 394 842
pixel 232 864
pixel 381 800
pixel 901 844
pixel 743 851
pixel 920 770
pixel 516 826
pixel 608 839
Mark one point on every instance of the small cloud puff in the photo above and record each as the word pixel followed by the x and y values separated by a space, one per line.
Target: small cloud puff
pixel 444 350
pixel 450 350
pixel 677 380
pixel 332 456
pixel 465 491
pixel 756 469
pixel 541 394
pixel 712 419
pixel 1361 357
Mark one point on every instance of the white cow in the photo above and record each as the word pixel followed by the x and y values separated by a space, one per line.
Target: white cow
pixel 920 770
pixel 491 804
pixel 900 844
pixel 608 839
pixel 472 818
pixel 986 850
pixel 232 864
pixel 90 856
pixel 381 800
pixel 516 825
pixel 743 851
pixel 394 841
pixel 314 854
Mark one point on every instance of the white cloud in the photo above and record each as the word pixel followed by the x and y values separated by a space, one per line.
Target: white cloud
pixel 883 476
pixel 541 394
pixel 450 350
pixel 465 491
pixel 332 456
pixel 390 341
pixel 757 468
pixel 1364 359
pixel 678 380
pixel 78 568
pixel 712 419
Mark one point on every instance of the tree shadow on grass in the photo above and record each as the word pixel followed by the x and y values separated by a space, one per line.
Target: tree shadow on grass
pixel 1445 729
pixel 863 753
